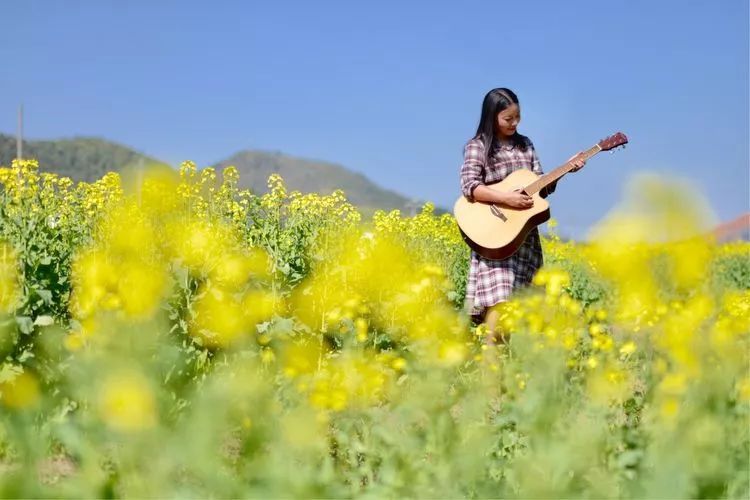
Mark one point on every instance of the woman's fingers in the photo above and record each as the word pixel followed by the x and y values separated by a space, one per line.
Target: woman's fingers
pixel 577 162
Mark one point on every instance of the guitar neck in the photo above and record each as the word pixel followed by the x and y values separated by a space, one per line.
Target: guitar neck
pixel 563 169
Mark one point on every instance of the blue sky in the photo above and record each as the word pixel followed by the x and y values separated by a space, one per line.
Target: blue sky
pixel 393 89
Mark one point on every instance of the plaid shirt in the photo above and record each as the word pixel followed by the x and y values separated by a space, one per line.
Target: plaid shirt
pixel 492 281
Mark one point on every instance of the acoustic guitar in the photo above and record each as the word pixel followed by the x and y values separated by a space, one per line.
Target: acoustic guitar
pixel 496 231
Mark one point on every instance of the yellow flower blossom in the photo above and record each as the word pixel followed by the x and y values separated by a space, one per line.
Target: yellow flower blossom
pixel 628 348
pixel 127 402
pixel 21 392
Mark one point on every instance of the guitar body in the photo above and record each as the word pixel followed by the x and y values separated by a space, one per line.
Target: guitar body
pixel 496 231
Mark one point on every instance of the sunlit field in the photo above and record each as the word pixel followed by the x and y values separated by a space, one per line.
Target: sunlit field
pixel 165 334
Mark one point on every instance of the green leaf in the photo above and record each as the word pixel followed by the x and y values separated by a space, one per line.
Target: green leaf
pixel 25 324
pixel 46 296
pixel 25 355
pixel 629 458
pixel 282 326
pixel 9 372
pixel 44 320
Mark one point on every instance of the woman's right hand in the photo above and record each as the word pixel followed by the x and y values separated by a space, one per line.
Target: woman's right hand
pixel 517 199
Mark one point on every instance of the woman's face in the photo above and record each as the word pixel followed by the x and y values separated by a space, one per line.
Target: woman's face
pixel 507 120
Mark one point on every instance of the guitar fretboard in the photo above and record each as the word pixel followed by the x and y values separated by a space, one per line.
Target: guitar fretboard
pixel 563 169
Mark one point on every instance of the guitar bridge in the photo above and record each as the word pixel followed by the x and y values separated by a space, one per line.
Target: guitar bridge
pixel 498 213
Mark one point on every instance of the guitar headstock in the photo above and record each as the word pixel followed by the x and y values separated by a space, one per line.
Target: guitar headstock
pixel 613 141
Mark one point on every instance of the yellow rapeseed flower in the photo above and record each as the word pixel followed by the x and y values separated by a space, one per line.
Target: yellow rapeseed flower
pixel 628 348
pixel 300 359
pixel 220 318
pixel 452 352
pixel 127 402
pixel 21 392
pixel 141 288
pixel 260 305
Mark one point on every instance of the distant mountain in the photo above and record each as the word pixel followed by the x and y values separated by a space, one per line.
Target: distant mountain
pixel 82 158
pixel 314 176
pixel 88 159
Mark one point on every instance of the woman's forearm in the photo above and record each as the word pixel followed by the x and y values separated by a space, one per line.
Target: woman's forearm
pixel 487 195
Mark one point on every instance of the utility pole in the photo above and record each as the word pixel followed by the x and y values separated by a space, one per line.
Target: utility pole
pixel 19 134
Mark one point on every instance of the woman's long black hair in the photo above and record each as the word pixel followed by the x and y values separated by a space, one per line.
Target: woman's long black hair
pixel 494 102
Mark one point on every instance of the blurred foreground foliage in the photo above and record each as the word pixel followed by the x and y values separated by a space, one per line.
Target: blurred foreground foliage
pixel 167 334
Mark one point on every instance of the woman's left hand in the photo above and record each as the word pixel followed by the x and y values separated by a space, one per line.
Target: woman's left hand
pixel 578 163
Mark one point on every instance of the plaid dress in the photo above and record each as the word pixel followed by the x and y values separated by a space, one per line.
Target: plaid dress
pixel 492 281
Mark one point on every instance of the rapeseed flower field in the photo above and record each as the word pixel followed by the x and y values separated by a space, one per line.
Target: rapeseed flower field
pixel 165 333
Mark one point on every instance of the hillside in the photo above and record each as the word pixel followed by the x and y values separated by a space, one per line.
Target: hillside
pixel 313 176
pixel 81 158
pixel 88 159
